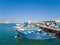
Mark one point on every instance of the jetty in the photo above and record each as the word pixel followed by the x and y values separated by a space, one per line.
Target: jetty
pixel 50 28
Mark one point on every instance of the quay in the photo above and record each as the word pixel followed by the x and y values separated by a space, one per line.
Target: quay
pixel 50 28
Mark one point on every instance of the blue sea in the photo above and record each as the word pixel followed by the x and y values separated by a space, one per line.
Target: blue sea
pixel 7 34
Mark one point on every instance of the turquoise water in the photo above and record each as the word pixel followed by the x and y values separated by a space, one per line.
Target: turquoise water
pixel 7 38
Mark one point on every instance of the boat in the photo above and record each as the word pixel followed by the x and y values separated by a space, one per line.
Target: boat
pixel 33 33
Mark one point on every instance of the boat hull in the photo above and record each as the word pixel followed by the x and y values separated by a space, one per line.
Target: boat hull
pixel 34 36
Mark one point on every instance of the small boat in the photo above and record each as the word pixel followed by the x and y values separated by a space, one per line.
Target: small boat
pixel 33 34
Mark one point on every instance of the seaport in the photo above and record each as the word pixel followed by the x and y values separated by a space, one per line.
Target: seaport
pixel 29 22
pixel 7 37
pixel 47 27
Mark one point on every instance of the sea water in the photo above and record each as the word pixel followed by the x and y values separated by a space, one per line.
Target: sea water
pixel 7 34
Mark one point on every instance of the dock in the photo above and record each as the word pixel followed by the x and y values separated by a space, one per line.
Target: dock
pixel 51 28
pixel 48 28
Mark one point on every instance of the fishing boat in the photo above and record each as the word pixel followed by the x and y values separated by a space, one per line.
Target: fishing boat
pixel 33 33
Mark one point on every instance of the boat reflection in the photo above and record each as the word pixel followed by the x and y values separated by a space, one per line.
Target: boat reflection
pixel 34 42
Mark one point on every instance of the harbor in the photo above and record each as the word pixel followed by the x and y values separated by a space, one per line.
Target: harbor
pixel 7 37
pixel 51 27
pixel 29 22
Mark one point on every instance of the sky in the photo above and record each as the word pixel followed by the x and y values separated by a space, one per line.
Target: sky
pixel 29 10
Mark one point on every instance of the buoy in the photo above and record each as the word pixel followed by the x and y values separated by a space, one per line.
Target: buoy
pixel 15 36
pixel 54 37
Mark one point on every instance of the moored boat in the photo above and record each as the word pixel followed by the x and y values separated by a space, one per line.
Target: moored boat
pixel 33 33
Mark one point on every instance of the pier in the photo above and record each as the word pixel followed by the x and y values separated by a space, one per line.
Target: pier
pixel 50 28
